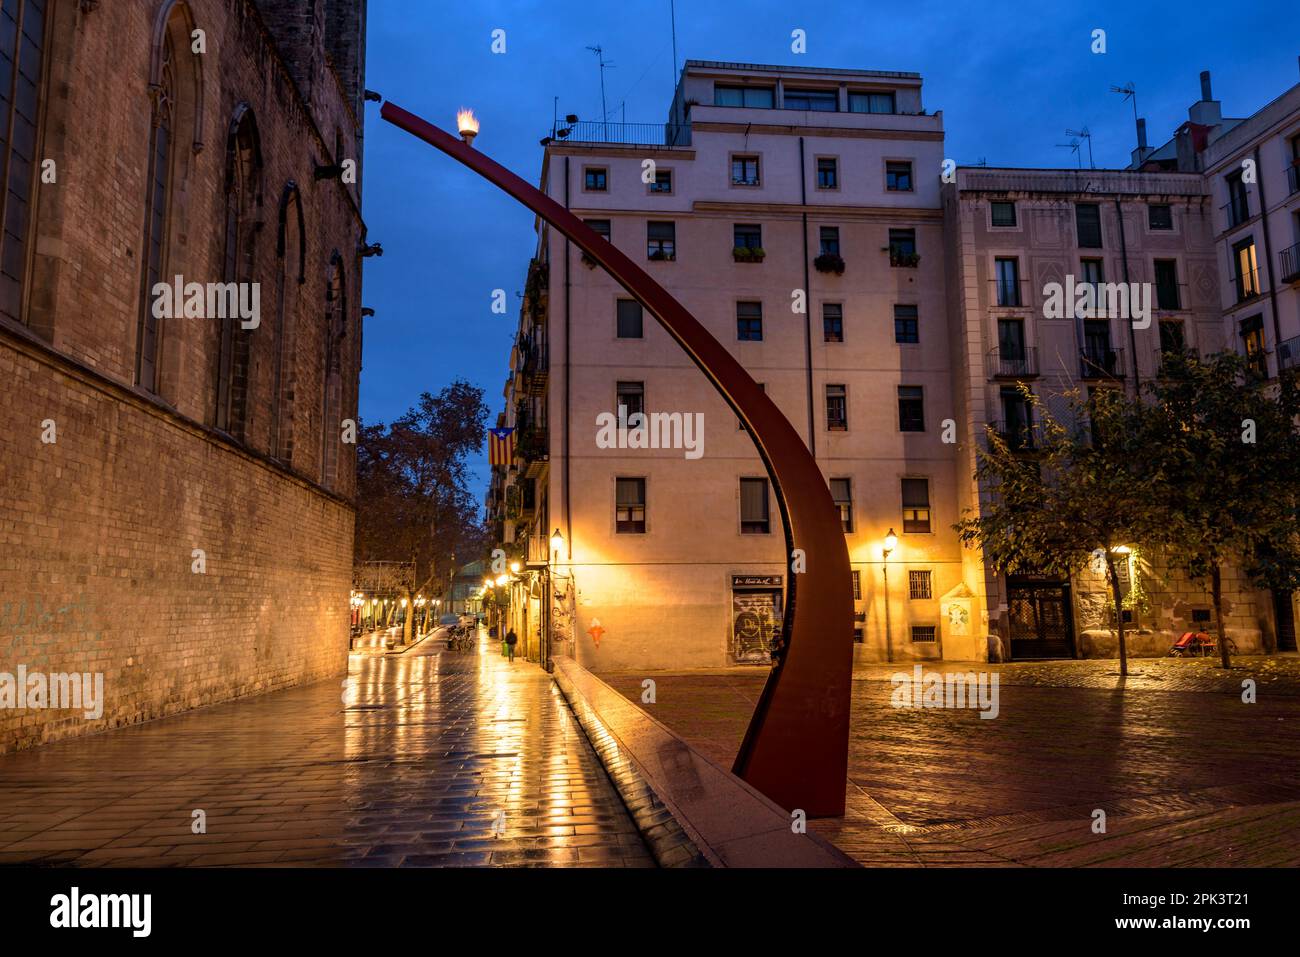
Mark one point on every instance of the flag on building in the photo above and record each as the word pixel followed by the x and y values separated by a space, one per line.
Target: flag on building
pixel 501 446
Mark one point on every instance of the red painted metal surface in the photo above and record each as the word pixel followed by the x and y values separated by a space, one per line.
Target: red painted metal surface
pixel 796 748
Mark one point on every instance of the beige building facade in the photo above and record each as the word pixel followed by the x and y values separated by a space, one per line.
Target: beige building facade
pixel 891 311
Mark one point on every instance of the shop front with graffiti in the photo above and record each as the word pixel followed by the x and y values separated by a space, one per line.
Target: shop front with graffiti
pixel 756 609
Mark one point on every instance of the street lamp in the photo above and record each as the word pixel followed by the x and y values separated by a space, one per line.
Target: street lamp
pixel 514 568
pixel 891 543
pixel 557 541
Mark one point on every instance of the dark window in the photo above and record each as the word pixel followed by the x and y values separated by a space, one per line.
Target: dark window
pixel 663 181
pixel 916 505
pixel 242 172
pixel 1008 281
pixel 600 227
pixel 631 396
pixel 906 325
pixel 1172 338
pixel 754 517
pixel 661 240
pixel 918 585
pixel 842 493
pixel 833 322
pixel 1238 205
pixel 1160 216
pixel 1017 418
pixel 597 179
pixel 1167 284
pixel 898 176
pixel 1011 340
pixel 755 97
pixel 336 310
pixel 22 43
pixel 837 408
pixel 902 247
pixel 631 320
pixel 829 238
pixel 1004 214
pixel 857 585
pixel 922 633
pixel 744 170
pixel 13 241
pixel 911 408
pixel 1087 221
pixel 871 102
pixel 828 175
pixel 821 101
pixel 749 321
pixel 747 236
pixel 629 505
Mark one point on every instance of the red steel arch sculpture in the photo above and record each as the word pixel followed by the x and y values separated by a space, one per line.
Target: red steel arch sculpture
pixel 795 750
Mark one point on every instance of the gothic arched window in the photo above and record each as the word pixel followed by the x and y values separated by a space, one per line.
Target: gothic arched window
pixel 22 49
pixel 243 196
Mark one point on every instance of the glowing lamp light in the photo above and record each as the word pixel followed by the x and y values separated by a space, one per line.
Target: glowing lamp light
pixel 502 579
pixel 891 541
pixel 557 540
pixel 514 568
pixel 467 123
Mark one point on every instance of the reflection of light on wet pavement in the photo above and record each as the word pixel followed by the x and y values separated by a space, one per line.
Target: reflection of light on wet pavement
pixel 437 758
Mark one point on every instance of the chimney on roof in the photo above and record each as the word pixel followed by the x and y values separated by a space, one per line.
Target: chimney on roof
pixel 1207 111
pixel 1139 155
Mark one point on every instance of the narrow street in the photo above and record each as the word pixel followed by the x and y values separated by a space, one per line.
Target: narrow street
pixel 432 758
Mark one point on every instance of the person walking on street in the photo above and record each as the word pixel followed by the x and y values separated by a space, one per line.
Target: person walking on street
pixel 511 639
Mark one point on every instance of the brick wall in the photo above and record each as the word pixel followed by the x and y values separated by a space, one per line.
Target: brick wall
pixel 97 530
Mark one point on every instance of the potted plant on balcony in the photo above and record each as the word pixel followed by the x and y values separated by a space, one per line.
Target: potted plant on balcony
pixel 660 255
pixel 748 254
pixel 830 262
pixel 898 257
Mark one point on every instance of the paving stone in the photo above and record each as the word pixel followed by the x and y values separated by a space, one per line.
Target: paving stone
pixel 468 761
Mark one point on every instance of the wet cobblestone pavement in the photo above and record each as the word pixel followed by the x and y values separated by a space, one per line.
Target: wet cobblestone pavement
pixel 1185 771
pixel 437 758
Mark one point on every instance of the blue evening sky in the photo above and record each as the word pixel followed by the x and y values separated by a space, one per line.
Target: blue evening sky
pixel 1009 77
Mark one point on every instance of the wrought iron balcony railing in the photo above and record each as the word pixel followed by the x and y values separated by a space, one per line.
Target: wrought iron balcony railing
pixel 1288 353
pixel 1019 435
pixel 1290 263
pixel 1098 363
pixel 1013 364
pixel 1236 211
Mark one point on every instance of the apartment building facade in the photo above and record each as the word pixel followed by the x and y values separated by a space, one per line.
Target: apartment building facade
pixel 1016 237
pixel 769 188
pixel 177 511
pixel 794 212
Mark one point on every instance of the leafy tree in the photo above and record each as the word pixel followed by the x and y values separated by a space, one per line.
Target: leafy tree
pixel 1084 490
pixel 1229 447
pixel 413 497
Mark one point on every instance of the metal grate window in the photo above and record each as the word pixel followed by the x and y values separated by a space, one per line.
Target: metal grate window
pixel 918 584
pixel 923 633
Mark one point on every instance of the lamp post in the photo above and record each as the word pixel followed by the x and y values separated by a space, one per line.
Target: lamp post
pixel 891 542
pixel 556 543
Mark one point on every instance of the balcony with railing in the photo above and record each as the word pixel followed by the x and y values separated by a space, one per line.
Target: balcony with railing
pixel 1096 362
pixel 1007 293
pixel 1020 435
pixel 1019 363
pixel 1290 262
pixel 534 364
pixel 1236 211
pixel 1293 178
pixel 1246 284
pixel 622 134
pixel 1288 353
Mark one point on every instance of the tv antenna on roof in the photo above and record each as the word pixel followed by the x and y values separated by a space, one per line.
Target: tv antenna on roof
pixel 1130 93
pixel 600 57
pixel 1073 145
pixel 1084 134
